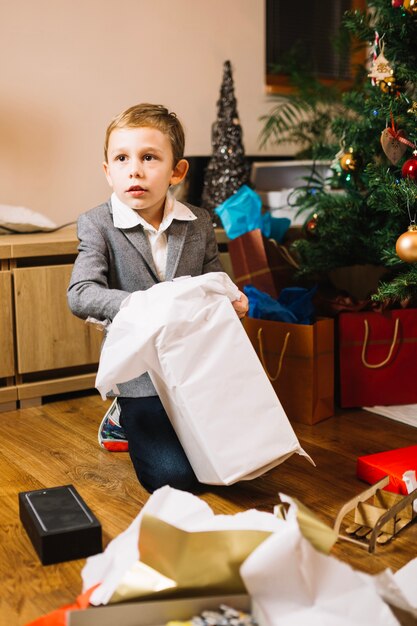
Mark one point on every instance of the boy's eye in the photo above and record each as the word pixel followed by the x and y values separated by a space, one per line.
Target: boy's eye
pixel 121 157
pixel 148 157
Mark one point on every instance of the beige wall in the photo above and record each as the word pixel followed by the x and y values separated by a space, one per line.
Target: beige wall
pixel 68 66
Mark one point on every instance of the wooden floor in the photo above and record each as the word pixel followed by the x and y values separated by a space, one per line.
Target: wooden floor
pixel 56 444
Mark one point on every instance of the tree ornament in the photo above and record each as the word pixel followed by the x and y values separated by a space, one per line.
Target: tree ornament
pixel 392 144
pixel 380 69
pixel 410 6
pixel 228 169
pixel 409 169
pixel 413 108
pixel 349 162
pixel 311 225
pixel 397 3
pixel 406 245
pixel 389 85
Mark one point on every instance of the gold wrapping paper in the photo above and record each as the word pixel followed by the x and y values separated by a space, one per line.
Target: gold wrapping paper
pixel 178 563
pixel 319 534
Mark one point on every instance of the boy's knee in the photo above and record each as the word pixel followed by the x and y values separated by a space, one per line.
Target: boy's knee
pixel 179 479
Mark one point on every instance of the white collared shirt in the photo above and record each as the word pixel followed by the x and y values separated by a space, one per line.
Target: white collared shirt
pixel 125 217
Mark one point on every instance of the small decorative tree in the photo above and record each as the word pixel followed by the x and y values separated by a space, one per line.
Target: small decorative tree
pixel 228 168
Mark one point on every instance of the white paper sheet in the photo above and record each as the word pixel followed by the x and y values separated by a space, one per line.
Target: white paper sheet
pixel 405 413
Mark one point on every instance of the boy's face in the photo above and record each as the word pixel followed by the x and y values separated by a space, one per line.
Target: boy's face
pixel 140 168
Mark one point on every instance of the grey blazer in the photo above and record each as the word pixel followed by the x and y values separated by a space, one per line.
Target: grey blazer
pixel 114 262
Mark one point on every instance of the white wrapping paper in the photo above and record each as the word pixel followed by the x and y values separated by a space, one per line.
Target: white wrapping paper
pixel 118 564
pixel 290 583
pixel 400 589
pixel 293 584
pixel 186 334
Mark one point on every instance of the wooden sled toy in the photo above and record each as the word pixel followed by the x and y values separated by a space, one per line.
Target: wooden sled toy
pixel 378 516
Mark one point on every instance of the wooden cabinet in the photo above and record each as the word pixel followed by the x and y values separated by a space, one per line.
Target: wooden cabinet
pixel 44 348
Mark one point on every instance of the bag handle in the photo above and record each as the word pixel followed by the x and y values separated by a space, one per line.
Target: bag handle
pixel 285 254
pixel 391 350
pixel 262 356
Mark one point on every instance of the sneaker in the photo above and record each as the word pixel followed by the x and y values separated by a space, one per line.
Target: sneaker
pixel 111 435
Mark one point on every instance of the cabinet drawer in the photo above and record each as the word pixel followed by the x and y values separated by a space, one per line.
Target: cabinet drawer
pixel 48 335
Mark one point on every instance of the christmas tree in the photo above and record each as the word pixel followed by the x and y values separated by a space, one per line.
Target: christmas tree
pixel 227 169
pixel 366 213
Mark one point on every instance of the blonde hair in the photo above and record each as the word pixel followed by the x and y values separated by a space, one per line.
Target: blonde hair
pixel 154 116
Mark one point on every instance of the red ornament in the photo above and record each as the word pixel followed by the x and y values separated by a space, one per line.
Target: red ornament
pixel 397 3
pixel 409 169
pixel 312 224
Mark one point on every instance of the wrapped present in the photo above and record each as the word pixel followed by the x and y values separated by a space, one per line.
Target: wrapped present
pixel 250 263
pixel 377 357
pixel 392 463
pixel 187 335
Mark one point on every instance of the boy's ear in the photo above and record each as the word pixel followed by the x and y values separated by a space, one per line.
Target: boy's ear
pixel 179 172
pixel 106 172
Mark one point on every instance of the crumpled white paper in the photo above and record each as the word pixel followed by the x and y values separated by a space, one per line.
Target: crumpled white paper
pixel 178 508
pixel 400 589
pixel 187 335
pixel 292 584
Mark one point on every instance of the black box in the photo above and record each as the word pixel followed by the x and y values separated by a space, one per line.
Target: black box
pixel 60 525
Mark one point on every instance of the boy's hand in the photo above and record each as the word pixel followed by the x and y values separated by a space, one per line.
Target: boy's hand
pixel 241 305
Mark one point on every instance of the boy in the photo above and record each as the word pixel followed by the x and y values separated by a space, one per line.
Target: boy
pixel 141 236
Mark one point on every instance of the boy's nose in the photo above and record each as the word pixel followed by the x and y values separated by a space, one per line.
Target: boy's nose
pixel 136 170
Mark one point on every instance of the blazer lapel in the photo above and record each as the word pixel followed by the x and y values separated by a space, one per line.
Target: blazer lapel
pixel 138 238
pixel 176 237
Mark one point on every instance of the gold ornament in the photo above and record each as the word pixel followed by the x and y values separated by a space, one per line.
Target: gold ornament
pixel 349 162
pixel 388 84
pixel 406 246
pixel 413 109
pixel 410 6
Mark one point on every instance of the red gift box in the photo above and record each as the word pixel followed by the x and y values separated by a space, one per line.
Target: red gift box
pixel 250 263
pixel 392 463
pixel 378 357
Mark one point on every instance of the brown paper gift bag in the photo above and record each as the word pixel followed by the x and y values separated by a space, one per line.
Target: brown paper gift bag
pixel 299 361
pixel 282 262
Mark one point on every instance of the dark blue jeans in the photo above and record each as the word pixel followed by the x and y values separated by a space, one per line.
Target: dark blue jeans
pixel 156 453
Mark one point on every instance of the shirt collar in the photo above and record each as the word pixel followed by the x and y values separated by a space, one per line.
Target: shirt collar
pixel 125 217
